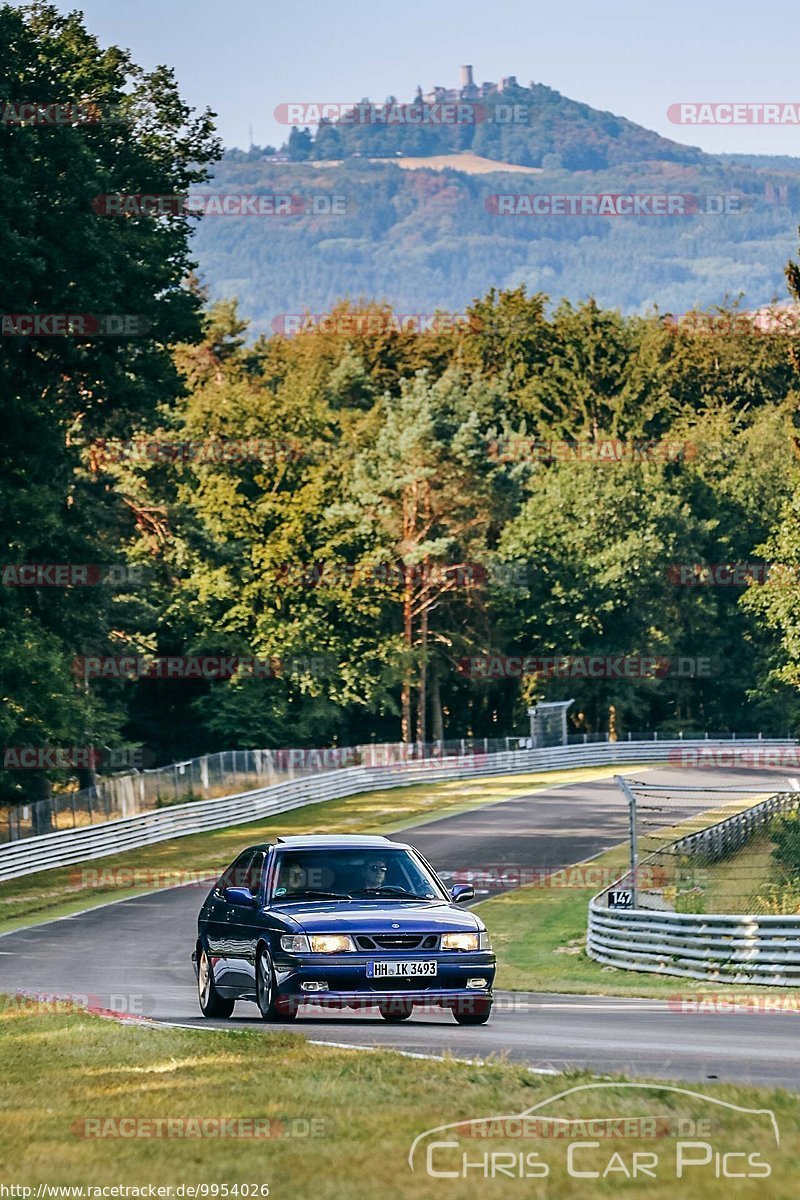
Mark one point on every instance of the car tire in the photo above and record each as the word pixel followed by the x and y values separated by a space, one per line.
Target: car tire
pixel 211 1003
pixel 473 1012
pixel 395 1010
pixel 271 1006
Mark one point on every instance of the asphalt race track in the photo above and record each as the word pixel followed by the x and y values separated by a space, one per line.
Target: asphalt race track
pixel 134 956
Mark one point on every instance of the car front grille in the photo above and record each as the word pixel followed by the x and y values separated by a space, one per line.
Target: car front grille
pixel 397 941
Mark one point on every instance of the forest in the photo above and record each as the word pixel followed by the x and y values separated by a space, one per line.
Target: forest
pixel 376 531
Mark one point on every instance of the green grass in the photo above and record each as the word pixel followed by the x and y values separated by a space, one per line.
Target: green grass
pixel 734 884
pixel 55 893
pixel 62 1069
pixel 539 934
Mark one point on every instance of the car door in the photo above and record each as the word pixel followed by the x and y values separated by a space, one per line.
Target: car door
pixel 244 924
pixel 217 918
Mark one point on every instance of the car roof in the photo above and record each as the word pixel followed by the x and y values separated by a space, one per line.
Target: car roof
pixel 342 841
pixel 351 841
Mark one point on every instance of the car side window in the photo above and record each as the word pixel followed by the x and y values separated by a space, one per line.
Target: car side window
pixel 255 873
pixel 236 873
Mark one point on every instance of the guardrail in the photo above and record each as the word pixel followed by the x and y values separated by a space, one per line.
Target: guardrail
pixel 214 776
pixel 70 846
pixel 725 837
pixel 230 772
pixel 717 948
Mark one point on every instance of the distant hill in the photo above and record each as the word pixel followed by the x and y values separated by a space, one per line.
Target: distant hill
pixel 533 126
pixel 429 237
pixel 425 239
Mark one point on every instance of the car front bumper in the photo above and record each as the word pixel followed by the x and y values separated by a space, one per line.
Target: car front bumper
pixel 347 984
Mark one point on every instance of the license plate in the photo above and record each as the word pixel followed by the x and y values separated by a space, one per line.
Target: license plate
pixel 403 970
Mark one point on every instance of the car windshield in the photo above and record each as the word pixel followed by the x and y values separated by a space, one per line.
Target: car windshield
pixel 352 875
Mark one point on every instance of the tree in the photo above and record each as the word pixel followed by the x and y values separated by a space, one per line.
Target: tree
pixel 61 393
pixel 776 605
pixel 300 145
pixel 327 143
pixel 424 488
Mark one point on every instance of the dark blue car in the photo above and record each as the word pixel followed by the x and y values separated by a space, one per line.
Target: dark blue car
pixel 345 922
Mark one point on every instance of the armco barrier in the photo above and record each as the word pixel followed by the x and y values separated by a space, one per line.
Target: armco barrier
pixel 129 833
pixel 716 841
pixel 717 948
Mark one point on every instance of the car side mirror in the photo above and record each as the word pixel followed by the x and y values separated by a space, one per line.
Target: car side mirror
pixel 460 894
pixel 240 896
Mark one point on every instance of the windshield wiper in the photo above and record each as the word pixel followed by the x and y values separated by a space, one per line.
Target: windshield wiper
pixel 312 892
pixel 389 889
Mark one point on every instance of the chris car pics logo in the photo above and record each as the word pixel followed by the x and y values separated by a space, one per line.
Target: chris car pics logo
pixel 682 1134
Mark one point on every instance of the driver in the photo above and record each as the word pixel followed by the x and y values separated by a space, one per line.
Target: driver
pixel 373 873
pixel 293 878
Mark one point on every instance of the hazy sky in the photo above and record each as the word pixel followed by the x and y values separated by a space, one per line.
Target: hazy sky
pixel 244 57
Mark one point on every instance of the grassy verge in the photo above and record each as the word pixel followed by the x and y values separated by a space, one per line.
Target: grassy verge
pixel 734 884
pixel 364 1111
pixel 55 893
pixel 539 934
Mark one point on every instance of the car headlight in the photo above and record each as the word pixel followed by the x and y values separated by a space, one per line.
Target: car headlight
pixel 295 943
pixel 460 941
pixel 485 940
pixel 331 943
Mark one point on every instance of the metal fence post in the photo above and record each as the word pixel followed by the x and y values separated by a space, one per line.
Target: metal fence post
pixel 623 786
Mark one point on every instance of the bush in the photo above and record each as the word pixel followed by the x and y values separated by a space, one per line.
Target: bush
pixel 785 832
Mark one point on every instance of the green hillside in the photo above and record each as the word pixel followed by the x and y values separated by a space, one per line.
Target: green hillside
pixel 425 239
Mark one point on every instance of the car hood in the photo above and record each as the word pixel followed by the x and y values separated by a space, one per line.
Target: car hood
pixel 376 916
